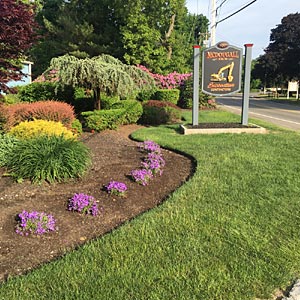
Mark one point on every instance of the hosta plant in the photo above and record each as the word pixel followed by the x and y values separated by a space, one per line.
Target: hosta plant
pixel 35 223
pixel 84 204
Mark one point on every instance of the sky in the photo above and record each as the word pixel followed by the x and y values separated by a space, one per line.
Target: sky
pixel 250 26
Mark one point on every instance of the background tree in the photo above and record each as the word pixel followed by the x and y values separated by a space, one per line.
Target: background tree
pixel 16 37
pixel 154 33
pixel 281 61
pixel 102 73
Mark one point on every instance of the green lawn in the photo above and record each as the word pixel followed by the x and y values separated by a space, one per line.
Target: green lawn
pixel 230 233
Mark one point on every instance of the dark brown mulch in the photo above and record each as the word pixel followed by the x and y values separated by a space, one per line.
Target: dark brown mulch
pixel 114 156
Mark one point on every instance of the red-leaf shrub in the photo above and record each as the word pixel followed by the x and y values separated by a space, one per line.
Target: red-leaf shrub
pixel 158 103
pixel 157 112
pixel 45 110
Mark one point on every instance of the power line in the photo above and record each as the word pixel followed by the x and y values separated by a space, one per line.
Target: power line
pixel 235 12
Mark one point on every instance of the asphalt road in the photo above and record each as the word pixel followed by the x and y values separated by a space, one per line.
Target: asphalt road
pixel 284 115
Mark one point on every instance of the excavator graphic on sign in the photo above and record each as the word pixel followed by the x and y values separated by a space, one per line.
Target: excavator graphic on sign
pixel 220 75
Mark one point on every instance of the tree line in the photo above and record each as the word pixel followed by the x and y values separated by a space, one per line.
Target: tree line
pixel 281 60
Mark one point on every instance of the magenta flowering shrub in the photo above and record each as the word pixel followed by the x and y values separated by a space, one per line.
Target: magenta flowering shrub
pixel 141 176
pixel 170 81
pixel 84 204
pixel 34 222
pixel 116 188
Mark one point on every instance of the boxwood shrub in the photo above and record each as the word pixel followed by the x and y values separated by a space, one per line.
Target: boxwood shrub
pixel 122 113
pixel 169 95
pixel 102 119
pixel 133 110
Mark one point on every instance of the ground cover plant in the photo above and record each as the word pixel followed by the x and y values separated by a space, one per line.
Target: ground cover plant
pixel 230 232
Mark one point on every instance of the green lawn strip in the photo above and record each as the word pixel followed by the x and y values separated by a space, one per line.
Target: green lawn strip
pixel 231 232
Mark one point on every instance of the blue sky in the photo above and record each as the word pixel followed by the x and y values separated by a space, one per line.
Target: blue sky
pixel 252 25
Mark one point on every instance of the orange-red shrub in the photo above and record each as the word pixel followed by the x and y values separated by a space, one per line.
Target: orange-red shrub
pixel 45 110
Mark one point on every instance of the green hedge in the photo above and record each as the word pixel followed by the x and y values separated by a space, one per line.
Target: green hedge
pixel 171 95
pixel 133 110
pixel 102 119
pixel 37 91
pixel 123 112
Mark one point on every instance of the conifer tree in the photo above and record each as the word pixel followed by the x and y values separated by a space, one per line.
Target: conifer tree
pixel 102 73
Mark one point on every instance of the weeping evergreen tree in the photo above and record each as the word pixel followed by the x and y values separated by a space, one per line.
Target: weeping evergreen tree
pixel 102 73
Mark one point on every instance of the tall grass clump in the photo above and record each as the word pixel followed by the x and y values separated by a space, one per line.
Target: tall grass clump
pixel 49 158
pixel 7 144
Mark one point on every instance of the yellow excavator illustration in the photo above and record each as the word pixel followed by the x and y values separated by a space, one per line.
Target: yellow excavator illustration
pixel 220 75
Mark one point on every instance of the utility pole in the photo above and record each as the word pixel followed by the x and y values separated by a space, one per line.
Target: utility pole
pixel 213 23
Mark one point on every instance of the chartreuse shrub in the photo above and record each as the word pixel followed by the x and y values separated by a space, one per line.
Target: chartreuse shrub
pixel 32 129
pixel 7 144
pixel 169 95
pixel 49 158
pixel 157 112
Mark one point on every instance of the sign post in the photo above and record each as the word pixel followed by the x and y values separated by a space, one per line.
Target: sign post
pixel 247 75
pixel 221 69
pixel 196 85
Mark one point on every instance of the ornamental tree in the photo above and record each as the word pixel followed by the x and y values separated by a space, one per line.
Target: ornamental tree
pixel 16 37
pixel 102 73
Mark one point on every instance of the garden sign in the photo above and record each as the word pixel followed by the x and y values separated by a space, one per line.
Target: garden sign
pixel 221 69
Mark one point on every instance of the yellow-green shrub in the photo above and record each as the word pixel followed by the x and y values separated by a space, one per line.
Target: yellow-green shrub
pixel 32 129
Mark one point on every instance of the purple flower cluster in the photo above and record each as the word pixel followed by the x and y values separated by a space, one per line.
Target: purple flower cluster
pixel 152 164
pixel 84 204
pixel 141 176
pixel 149 146
pixel 35 222
pixel 116 188
pixel 170 81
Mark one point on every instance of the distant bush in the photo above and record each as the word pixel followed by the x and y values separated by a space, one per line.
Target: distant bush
pixel 10 99
pixel 156 112
pixel 35 128
pixel 49 158
pixel 171 95
pixel 186 97
pixel 38 91
pixel 12 115
pixel 7 144
pixel 76 127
